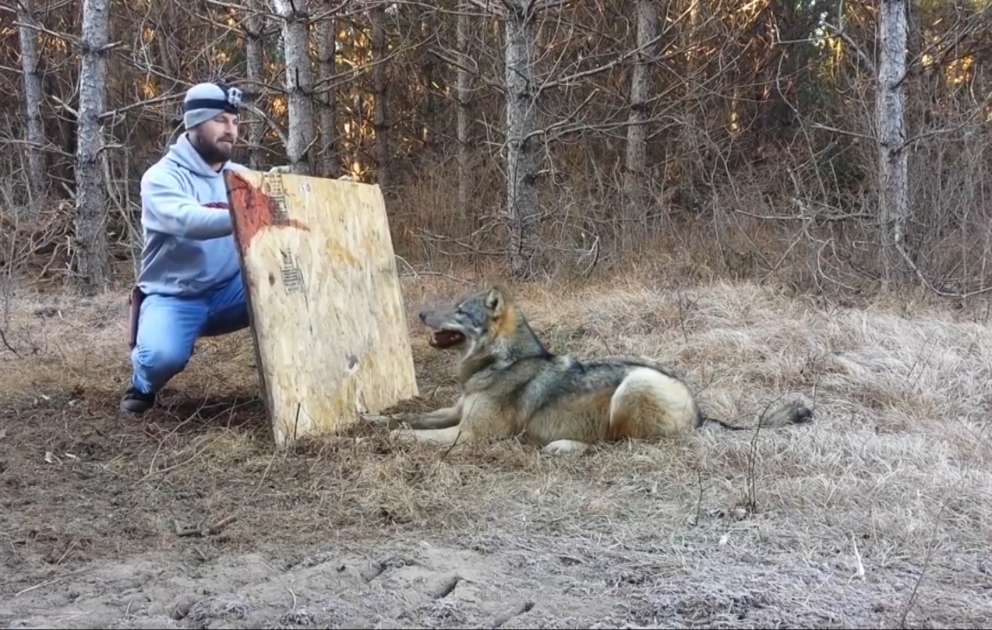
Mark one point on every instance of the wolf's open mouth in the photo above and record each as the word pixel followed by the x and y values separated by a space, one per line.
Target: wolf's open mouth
pixel 446 338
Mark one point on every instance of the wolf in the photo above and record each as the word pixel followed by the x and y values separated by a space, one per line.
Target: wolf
pixel 512 386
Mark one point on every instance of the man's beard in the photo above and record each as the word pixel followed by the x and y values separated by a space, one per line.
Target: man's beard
pixel 210 152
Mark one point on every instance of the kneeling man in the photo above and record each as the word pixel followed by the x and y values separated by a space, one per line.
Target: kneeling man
pixel 190 282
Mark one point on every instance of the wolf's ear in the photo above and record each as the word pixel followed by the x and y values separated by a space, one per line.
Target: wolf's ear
pixel 494 300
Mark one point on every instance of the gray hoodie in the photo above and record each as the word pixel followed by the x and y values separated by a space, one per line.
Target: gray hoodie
pixel 189 247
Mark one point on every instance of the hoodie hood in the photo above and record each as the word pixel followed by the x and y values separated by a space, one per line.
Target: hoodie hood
pixel 189 247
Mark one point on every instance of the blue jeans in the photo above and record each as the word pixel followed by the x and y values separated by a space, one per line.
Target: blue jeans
pixel 169 326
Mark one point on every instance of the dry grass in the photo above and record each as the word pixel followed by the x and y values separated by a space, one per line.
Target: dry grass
pixel 892 476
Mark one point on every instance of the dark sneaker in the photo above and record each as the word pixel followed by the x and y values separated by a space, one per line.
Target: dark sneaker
pixel 137 402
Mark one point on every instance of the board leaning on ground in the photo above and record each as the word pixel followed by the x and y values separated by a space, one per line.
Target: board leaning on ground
pixel 327 314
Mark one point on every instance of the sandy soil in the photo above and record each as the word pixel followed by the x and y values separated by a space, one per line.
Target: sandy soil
pixel 874 515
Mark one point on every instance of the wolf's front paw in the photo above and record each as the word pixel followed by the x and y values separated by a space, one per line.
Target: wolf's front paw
pixel 563 447
pixel 372 420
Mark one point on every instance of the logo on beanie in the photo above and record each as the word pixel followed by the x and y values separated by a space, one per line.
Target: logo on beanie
pixel 206 100
pixel 234 96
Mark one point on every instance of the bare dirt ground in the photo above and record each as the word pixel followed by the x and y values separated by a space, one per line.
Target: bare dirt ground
pixel 875 515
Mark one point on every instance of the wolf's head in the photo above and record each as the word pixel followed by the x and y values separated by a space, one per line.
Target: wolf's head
pixel 484 324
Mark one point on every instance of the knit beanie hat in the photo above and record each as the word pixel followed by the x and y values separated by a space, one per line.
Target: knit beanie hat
pixel 206 100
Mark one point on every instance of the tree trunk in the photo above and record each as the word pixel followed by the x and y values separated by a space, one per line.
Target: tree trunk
pixel 91 199
pixel 428 25
pixel 168 48
pixel 636 176
pixel 893 168
pixel 296 49
pixel 699 14
pixel 36 176
pixel 464 96
pixel 521 152
pixel 253 52
pixel 326 50
pixel 377 15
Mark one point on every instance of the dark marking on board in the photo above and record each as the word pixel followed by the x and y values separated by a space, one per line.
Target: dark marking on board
pixel 292 277
pixel 272 186
pixel 352 362
pixel 255 208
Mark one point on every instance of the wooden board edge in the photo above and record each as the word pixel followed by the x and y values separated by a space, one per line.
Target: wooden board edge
pixel 401 299
pixel 236 184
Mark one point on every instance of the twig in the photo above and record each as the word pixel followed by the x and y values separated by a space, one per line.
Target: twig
pixel 264 475
pixel 140 104
pixel 857 557
pixel 699 501
pixel 64 106
pixel 3 338
pixel 414 273
pixel 48 582
pixel 844 132
pixel 201 531
pixel 454 442
pixel 839 32
pixel 928 285
pixel 923 571
pixel 41 29
pixel 595 251
pixel 417 274
pixel 174 466
pixel 682 319
pixel 752 456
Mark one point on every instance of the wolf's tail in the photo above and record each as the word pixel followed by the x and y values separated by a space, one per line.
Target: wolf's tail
pixel 794 412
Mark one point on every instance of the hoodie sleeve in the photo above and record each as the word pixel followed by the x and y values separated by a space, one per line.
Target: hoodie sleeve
pixel 170 210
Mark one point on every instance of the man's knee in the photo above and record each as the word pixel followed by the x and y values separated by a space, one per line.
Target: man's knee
pixel 161 360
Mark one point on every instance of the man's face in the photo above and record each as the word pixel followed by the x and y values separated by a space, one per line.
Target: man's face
pixel 215 138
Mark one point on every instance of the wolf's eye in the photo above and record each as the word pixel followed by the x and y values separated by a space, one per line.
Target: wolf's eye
pixel 469 316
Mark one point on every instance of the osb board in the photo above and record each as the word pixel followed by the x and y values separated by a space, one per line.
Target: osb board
pixel 323 290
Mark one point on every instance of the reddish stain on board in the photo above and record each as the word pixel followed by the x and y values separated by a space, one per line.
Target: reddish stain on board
pixel 252 210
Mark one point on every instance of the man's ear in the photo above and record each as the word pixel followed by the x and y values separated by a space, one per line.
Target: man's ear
pixel 494 300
